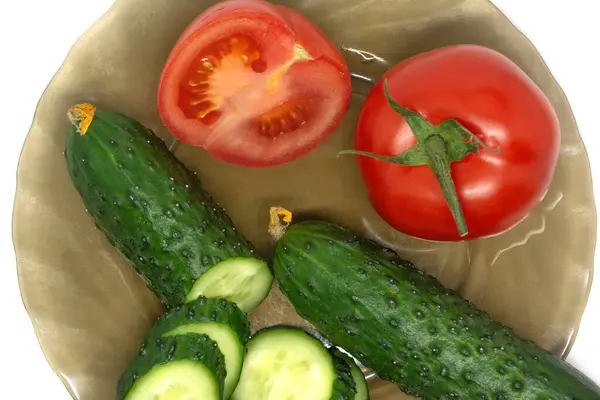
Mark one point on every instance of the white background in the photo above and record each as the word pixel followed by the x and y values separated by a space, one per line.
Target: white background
pixel 36 35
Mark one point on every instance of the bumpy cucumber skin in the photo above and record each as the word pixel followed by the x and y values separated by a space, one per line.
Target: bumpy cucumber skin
pixel 362 389
pixel 204 310
pixel 408 327
pixel 201 310
pixel 158 351
pixel 344 387
pixel 149 205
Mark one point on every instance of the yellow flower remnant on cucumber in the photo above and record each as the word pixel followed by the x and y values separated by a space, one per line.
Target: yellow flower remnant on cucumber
pixel 279 220
pixel 81 116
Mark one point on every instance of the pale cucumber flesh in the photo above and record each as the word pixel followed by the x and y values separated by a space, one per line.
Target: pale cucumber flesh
pixel 228 343
pixel 244 281
pixel 176 380
pixel 285 364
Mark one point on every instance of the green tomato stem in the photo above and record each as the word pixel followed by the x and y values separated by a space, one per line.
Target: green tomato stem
pixel 437 147
pixel 439 162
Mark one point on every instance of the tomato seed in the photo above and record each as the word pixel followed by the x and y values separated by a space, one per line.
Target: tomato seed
pixel 259 66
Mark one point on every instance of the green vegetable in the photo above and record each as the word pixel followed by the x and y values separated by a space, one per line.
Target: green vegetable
pixel 244 281
pixel 362 390
pixel 150 206
pixel 287 363
pixel 344 387
pixel 177 367
pixel 221 320
pixel 409 328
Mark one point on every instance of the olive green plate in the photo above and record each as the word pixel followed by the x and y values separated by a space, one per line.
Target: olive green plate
pixel 90 310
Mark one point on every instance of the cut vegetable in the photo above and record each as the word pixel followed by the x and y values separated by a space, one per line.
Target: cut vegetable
pixel 362 390
pixel 229 346
pixel 344 387
pixel 185 367
pixel 254 84
pixel 222 321
pixel 180 380
pixel 409 328
pixel 360 383
pixel 287 363
pixel 244 281
pixel 149 205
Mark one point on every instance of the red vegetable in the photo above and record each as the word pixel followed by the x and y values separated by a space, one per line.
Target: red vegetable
pixel 254 84
pixel 478 139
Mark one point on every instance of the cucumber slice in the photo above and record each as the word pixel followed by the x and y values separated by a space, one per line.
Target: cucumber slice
pixel 362 389
pixel 344 387
pixel 228 343
pixel 287 363
pixel 242 280
pixel 185 367
pixel 177 380
pixel 222 321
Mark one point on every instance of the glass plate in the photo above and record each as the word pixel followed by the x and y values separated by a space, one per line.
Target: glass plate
pixel 90 310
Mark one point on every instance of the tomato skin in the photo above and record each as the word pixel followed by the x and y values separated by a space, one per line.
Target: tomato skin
pixel 493 98
pixel 232 10
pixel 275 31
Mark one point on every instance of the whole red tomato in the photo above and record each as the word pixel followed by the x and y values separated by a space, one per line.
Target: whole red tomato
pixel 499 139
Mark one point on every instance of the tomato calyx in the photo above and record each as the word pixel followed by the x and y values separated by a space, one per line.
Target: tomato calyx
pixel 437 147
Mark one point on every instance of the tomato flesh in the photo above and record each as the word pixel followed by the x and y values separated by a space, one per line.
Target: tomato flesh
pixel 254 84
pixel 218 72
pixel 283 119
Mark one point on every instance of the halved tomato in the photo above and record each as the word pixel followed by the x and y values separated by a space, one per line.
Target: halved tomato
pixel 253 83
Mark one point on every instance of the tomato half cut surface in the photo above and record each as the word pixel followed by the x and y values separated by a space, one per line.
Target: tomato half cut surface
pixel 254 84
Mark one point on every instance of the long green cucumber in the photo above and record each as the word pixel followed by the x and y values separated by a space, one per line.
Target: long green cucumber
pixel 152 208
pixel 408 327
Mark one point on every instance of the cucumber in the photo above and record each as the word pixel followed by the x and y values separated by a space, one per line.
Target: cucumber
pixel 409 328
pixel 344 387
pixel 244 281
pixel 185 367
pixel 149 205
pixel 362 389
pixel 221 320
pixel 287 363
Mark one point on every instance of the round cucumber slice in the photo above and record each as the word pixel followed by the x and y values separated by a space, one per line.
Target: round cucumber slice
pixel 221 320
pixel 181 367
pixel 244 281
pixel 286 363
pixel 229 344
pixel 176 380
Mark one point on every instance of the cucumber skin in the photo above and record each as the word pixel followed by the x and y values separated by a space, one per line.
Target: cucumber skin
pixel 158 351
pixel 149 205
pixel 408 327
pixel 344 387
pixel 204 310
pixel 353 367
